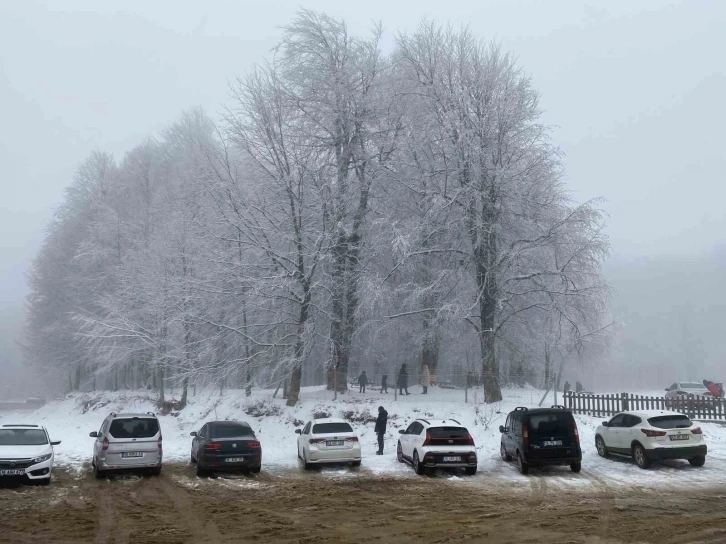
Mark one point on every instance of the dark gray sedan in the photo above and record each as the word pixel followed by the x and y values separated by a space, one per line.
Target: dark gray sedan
pixel 226 446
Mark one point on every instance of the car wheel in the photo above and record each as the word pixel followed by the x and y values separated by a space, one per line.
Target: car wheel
pixel 399 453
pixel 417 466
pixel 97 472
pixel 602 451
pixel 156 471
pixel 255 469
pixel 503 452
pixel 306 465
pixel 45 481
pixel 470 471
pixel 355 464
pixel 201 472
pixel 191 459
pixel 576 467
pixel 698 461
pixel 641 459
pixel 521 465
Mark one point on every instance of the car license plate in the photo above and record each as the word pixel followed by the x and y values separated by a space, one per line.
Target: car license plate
pixel 679 437
pixel 234 459
pixel 552 443
pixel 334 443
pixel 452 459
pixel 13 472
pixel 128 454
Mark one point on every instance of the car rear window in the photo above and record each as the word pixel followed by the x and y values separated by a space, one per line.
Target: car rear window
pixel 448 432
pixel 136 427
pixel 670 422
pixel 331 428
pixel 22 437
pixel 692 385
pixel 550 422
pixel 231 431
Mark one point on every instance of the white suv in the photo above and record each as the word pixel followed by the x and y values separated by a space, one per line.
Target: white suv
pixel 651 436
pixel 430 443
pixel 26 451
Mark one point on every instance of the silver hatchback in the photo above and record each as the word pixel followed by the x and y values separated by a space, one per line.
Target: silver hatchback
pixel 127 441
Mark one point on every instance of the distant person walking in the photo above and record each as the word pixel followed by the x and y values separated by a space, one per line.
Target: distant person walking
pixel 425 378
pixel 384 383
pixel 402 380
pixel 362 382
pixel 713 388
pixel 380 429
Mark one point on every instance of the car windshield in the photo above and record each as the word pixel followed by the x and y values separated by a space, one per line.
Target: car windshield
pixel 692 385
pixel 136 427
pixel 448 432
pixel 22 437
pixel 331 428
pixel 670 422
pixel 550 422
pixel 230 431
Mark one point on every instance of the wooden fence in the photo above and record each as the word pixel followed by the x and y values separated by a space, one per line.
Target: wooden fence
pixel 702 408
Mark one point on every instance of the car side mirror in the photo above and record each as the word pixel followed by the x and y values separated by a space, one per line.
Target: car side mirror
pixel 193 433
pixel 298 431
pixel 94 434
pixel 605 424
pixel 56 443
pixel 502 429
pixel 401 432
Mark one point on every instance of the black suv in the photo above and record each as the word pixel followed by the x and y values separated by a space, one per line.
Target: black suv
pixel 541 437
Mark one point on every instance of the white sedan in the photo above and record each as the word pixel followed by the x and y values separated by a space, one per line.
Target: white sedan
pixel 651 436
pixel 26 451
pixel 328 440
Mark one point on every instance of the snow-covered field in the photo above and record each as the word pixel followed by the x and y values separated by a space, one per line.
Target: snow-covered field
pixel 72 418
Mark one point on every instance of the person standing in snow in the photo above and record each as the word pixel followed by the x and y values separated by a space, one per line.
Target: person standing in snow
pixel 362 382
pixel 402 381
pixel 380 429
pixel 425 378
pixel 384 383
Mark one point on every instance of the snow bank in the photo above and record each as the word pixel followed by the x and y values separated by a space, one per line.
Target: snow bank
pixel 72 418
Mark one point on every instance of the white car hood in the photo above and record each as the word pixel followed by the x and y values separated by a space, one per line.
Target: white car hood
pixel 24 452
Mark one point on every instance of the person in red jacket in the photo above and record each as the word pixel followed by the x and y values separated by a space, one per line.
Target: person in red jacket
pixel 715 390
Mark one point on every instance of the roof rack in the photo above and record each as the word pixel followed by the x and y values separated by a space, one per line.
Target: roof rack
pixel 113 414
pixel 450 419
pixel 558 407
pixel 521 409
pixel 151 414
pixel 19 425
pixel 426 421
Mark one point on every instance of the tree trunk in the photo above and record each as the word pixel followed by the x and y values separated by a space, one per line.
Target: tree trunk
pixel 162 398
pixel 293 394
pixel 185 387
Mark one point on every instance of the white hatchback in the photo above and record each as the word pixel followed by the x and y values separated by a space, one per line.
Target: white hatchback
pixel 329 440
pixel 26 451
pixel 651 436
pixel 431 443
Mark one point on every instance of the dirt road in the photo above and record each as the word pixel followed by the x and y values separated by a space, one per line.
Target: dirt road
pixel 177 507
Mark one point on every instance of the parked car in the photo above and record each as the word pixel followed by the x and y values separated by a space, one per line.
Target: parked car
pixel 540 437
pixel 127 442
pixel 26 451
pixel 651 436
pixel 329 440
pixel 437 443
pixel 697 390
pixel 226 446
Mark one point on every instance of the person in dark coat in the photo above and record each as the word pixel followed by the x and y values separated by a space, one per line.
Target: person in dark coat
pixel 362 381
pixel 380 429
pixel 402 381
pixel 384 383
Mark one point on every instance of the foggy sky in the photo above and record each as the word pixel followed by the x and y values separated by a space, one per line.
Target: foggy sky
pixel 635 88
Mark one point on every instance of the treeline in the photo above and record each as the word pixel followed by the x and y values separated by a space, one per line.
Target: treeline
pixel 352 210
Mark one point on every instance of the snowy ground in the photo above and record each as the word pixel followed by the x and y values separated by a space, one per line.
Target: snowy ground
pixel 72 418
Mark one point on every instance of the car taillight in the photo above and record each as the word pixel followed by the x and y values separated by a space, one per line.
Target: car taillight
pixel 158 443
pixel 469 440
pixel 253 444
pixel 317 440
pixel 577 434
pixel 525 434
pixel 213 446
pixel 105 444
pixel 352 439
pixel 652 434
pixel 697 430
pixel 428 439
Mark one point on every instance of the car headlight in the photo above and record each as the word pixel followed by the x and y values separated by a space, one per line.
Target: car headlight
pixel 42 458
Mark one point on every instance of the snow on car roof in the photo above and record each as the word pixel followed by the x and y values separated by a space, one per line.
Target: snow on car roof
pixel 329 420
pixel 439 422
pixel 653 413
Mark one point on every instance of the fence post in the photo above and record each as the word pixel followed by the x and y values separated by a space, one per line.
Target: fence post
pixel 624 402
